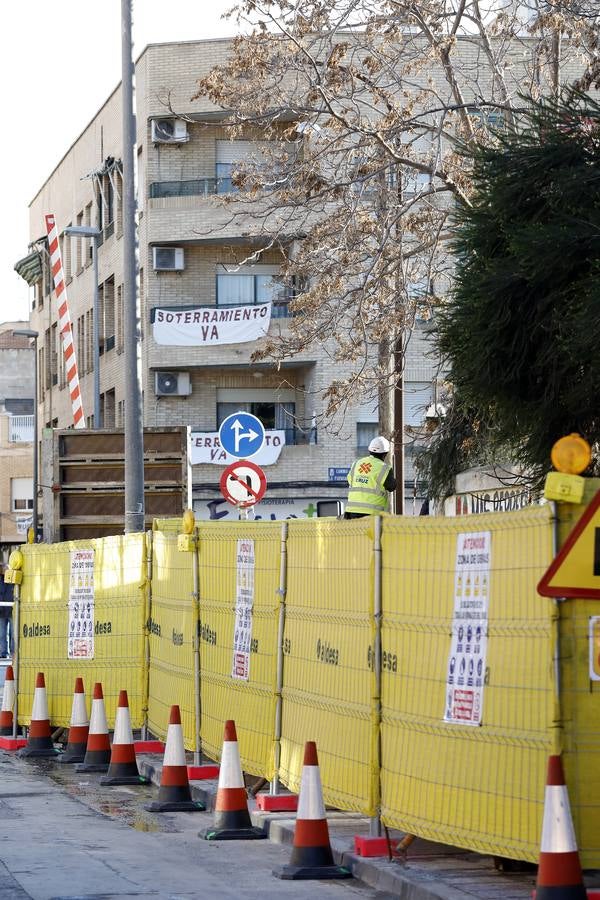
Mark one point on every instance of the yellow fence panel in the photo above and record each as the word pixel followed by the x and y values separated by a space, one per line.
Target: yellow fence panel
pixel 328 681
pixel 172 626
pixel 477 786
pixel 119 598
pixel 226 568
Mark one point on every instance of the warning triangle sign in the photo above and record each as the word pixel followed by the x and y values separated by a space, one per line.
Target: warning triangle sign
pixel 575 571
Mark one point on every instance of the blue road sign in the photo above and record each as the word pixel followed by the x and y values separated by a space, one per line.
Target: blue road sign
pixel 242 435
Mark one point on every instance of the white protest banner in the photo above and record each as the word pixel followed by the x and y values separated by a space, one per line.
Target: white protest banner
pixel 81 605
pixel 208 326
pixel 466 660
pixel 206 448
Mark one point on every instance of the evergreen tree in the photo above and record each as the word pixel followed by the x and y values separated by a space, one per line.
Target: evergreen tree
pixel 521 332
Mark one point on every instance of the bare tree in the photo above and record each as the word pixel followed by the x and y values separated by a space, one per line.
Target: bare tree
pixel 362 107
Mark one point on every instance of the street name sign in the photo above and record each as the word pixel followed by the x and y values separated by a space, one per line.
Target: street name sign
pixel 575 571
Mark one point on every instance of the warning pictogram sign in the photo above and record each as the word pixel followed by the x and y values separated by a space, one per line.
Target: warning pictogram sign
pixel 575 571
pixel 243 483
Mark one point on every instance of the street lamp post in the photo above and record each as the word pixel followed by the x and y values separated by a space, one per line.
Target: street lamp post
pixel 30 333
pixel 88 231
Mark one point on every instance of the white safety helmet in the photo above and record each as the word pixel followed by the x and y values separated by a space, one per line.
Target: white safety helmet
pixel 379 445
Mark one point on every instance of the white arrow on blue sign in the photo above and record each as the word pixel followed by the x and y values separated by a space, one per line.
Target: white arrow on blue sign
pixel 242 435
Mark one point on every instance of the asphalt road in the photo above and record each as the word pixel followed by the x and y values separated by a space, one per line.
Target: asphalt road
pixel 64 837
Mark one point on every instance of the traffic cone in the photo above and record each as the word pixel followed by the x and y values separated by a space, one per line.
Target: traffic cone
pixel 311 854
pixel 78 728
pixel 39 741
pixel 123 764
pixel 8 703
pixel 97 751
pixel 559 872
pixel 174 794
pixel 232 819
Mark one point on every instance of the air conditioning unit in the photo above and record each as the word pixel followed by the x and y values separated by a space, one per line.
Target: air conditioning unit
pixel 172 384
pixel 169 131
pixel 168 259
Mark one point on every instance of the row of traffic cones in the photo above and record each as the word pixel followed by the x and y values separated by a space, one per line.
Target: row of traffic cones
pixel 559 874
pixel 88 743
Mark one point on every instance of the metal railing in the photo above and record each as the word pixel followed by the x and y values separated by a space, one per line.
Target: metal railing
pixel 196 187
pixel 20 429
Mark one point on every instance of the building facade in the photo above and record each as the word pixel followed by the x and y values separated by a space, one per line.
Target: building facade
pixel 17 392
pixel 192 254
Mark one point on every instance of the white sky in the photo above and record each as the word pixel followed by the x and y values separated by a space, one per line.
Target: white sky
pixel 60 60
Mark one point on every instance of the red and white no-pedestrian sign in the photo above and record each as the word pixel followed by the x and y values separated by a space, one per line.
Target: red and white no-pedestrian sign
pixel 243 483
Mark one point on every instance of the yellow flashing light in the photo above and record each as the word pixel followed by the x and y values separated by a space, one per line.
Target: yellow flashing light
pixel 571 454
pixel 15 560
pixel 188 521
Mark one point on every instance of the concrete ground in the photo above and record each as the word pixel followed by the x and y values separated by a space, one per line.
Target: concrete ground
pixel 428 871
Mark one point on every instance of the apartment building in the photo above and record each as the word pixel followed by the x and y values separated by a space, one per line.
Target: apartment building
pixel 17 392
pixel 195 259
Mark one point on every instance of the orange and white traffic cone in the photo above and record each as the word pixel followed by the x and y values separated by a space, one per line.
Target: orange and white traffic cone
pixel 78 728
pixel 97 751
pixel 123 767
pixel 232 819
pixel 311 854
pixel 559 872
pixel 8 703
pixel 174 794
pixel 39 740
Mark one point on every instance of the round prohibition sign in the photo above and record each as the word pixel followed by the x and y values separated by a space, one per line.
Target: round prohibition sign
pixel 243 483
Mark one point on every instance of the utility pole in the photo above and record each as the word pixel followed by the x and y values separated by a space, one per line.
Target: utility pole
pixel 134 431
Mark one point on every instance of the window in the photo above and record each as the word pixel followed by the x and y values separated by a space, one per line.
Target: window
pixel 54 355
pixel 252 285
pixel 120 323
pixel 19 407
pixel 418 395
pixel 274 416
pixel 21 493
pixel 108 314
pixel 78 246
pixel 231 155
pixel 365 432
pixel 67 258
pixel 486 119
pixel 108 401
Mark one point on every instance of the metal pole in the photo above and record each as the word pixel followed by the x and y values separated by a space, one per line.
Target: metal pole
pixel 375 821
pixel 35 444
pixel 134 433
pixel 555 627
pixel 96 338
pixel 398 419
pixel 147 617
pixel 196 645
pixel 16 617
pixel 274 789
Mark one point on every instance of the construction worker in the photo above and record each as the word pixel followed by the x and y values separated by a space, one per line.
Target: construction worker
pixel 370 479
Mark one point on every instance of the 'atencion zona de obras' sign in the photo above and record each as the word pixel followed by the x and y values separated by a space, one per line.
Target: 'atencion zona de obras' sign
pixel 207 326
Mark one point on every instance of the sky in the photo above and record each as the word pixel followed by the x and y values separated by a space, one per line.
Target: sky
pixel 59 61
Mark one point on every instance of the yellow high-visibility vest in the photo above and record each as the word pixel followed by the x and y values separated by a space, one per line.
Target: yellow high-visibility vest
pixel 367 494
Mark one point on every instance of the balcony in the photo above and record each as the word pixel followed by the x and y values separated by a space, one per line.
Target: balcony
pixel 20 429
pixel 196 187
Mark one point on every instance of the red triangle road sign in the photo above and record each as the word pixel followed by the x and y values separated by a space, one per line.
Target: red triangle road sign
pixel 575 571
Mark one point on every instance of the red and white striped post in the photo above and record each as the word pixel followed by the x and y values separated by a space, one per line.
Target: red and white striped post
pixel 64 323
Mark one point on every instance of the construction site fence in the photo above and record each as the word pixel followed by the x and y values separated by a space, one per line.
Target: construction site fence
pixel 416 652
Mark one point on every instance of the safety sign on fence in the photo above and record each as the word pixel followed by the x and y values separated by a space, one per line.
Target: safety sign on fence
pixel 466 661
pixel 244 599
pixel 81 605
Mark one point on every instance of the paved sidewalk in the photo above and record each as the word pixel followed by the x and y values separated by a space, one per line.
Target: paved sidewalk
pixel 430 871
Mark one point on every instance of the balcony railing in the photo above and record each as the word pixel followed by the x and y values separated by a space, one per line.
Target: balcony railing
pixel 196 187
pixel 301 436
pixel 20 429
